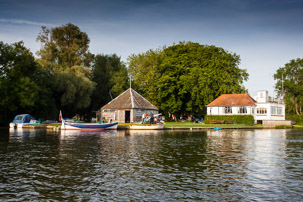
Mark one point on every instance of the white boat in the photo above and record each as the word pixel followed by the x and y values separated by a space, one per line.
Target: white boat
pixel 146 127
pixel 21 120
pixel 88 126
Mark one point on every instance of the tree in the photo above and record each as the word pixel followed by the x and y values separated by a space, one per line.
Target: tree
pixel 144 71
pixel 188 76
pixel 290 85
pixel 65 54
pixel 22 85
pixel 111 78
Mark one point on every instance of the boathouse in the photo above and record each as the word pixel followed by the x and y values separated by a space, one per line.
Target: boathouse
pixel 128 107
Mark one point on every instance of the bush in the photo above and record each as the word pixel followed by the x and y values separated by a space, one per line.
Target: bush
pixel 283 126
pixel 240 119
pixel 294 117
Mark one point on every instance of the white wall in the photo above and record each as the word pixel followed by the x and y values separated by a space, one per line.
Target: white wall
pixel 269 115
pixel 235 109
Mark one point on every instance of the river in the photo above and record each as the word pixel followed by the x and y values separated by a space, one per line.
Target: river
pixel 231 165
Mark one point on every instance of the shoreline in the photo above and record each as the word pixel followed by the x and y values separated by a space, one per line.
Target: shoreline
pixel 126 127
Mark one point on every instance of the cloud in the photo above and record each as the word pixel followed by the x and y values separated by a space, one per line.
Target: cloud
pixel 26 22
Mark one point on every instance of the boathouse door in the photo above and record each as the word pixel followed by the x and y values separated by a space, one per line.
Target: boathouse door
pixel 127 116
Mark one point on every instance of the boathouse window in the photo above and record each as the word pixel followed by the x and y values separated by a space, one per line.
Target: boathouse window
pixel 227 110
pixel 261 110
pixel 210 109
pixel 242 110
pixel 279 111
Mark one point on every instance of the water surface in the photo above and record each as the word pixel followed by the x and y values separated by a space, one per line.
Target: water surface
pixel 233 165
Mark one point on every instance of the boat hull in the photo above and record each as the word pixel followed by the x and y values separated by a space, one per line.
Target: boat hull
pixel 91 127
pixel 146 127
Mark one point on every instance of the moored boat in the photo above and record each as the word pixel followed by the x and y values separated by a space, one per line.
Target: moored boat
pixel 21 120
pixel 146 127
pixel 88 126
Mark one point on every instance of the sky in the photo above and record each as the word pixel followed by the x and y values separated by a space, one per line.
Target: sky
pixel 266 34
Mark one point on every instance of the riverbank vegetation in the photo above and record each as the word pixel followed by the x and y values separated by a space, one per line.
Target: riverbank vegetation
pixel 180 79
pixel 290 86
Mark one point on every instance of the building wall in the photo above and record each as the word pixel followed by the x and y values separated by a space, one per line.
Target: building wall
pixel 274 111
pixel 234 110
pixel 135 115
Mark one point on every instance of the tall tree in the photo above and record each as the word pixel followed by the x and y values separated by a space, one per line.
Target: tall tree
pixel 65 54
pixel 24 86
pixel 188 76
pixel 290 85
pixel 111 78
pixel 144 71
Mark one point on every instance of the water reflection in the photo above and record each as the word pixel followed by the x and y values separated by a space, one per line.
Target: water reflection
pixel 231 165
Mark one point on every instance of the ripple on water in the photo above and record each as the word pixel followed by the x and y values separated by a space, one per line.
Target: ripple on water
pixel 230 165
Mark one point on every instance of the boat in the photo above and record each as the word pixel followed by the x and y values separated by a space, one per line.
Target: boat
pixel 215 128
pixel 88 126
pixel 22 120
pixel 146 127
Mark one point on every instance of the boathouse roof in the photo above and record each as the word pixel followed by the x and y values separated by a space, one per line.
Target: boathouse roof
pixel 129 99
pixel 233 100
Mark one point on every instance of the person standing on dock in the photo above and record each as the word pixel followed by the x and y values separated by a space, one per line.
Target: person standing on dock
pixel 143 117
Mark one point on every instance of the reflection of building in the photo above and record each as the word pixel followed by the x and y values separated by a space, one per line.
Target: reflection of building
pixel 127 108
pixel 262 107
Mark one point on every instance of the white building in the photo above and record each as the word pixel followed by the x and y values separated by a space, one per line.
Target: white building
pixel 267 108
pixel 261 107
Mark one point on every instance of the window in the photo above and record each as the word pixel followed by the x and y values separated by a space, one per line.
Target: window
pixel 210 109
pixel 242 110
pixel 273 110
pixel 276 110
pixel 227 110
pixel 261 110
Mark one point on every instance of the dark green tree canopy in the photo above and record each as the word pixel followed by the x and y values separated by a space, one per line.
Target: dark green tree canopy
pixel 24 86
pixel 290 85
pixel 188 76
pixel 111 78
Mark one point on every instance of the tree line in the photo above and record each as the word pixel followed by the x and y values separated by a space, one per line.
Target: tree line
pixel 180 79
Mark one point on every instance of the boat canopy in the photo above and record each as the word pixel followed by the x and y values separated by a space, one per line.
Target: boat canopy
pixel 23 118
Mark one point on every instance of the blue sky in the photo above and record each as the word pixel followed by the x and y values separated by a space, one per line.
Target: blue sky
pixel 265 33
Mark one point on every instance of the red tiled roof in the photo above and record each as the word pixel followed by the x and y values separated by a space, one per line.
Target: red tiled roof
pixel 232 100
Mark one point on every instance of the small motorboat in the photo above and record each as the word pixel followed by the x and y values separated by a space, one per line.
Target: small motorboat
pixel 21 120
pixel 215 128
pixel 146 127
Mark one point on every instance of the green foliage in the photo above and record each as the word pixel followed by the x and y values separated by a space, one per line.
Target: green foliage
pixel 182 79
pixel 22 85
pixel 295 117
pixel 111 78
pixel 238 119
pixel 283 127
pixel 63 47
pixel 65 55
pixel 290 85
pixel 144 71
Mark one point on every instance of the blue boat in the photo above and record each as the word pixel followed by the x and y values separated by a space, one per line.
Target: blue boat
pixel 21 120
pixel 217 128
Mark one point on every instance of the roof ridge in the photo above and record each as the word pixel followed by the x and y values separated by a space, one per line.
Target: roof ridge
pixel 144 98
